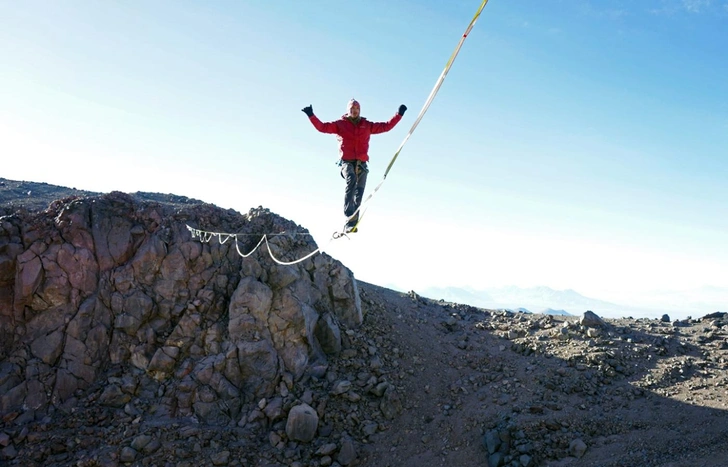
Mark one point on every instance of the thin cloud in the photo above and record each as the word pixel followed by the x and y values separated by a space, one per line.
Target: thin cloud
pixel 589 9
pixel 696 6
pixel 615 14
pixel 672 7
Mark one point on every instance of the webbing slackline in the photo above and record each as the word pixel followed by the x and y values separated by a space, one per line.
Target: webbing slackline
pixel 206 236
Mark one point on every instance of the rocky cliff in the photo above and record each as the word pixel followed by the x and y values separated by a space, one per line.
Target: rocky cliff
pixel 112 285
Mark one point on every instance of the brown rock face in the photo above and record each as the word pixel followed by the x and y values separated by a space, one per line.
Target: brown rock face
pixel 114 291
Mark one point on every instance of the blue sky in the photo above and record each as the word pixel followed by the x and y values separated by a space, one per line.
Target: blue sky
pixel 574 144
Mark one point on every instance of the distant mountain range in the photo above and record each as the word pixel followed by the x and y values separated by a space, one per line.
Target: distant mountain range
pixel 569 302
pixel 677 304
pixel 545 311
pixel 532 300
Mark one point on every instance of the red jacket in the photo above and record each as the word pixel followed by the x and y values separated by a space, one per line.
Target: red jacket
pixel 354 137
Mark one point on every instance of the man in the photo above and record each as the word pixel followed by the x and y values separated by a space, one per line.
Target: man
pixel 353 132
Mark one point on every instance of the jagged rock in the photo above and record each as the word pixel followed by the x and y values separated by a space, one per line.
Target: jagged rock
pixel 249 308
pixel 49 347
pixel 328 334
pixel 162 364
pixel 114 397
pixel 591 320
pixel 302 423
pixel 274 409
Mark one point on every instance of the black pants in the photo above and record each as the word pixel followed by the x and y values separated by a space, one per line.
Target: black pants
pixel 355 173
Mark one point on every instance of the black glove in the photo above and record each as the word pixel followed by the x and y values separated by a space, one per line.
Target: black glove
pixel 402 109
pixel 307 110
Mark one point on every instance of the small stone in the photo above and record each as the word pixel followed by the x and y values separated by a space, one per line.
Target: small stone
pixel 391 404
pixel 140 442
pixel 221 458
pixel 326 449
pixel 274 438
pixel 114 397
pixel 341 387
pixel 22 435
pixel 577 448
pixel 274 409
pixel 152 447
pixel 379 389
pixel 375 363
pixel 255 415
pixel 347 453
pixel 131 410
pixel 8 452
pixel 128 454
pixel 370 428
pixel 495 460
pixel 492 441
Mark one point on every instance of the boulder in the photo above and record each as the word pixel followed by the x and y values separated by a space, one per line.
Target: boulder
pixel 302 423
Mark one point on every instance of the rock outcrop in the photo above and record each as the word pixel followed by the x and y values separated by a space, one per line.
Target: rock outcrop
pixel 114 290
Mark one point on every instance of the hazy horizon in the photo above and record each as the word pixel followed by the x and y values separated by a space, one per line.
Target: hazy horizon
pixel 610 309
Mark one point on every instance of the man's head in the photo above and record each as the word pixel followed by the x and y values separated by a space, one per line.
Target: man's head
pixel 353 109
